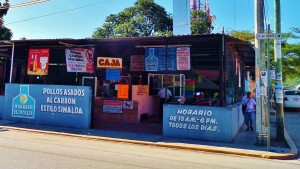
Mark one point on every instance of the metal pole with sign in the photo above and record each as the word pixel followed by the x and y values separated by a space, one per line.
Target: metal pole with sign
pixel 264 95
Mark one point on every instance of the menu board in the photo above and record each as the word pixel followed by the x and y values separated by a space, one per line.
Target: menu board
pixel 160 55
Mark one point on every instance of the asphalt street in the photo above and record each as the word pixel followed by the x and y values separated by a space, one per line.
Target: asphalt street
pixel 21 149
pixel 292 125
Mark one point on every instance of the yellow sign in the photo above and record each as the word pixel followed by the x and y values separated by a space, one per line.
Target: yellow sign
pixel 105 62
pixel 143 90
pixel 123 91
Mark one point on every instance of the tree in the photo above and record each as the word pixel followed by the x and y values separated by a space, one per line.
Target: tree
pixel 5 33
pixel 200 22
pixel 145 18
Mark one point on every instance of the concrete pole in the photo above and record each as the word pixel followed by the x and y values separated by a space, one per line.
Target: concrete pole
pixel 278 71
pixel 259 66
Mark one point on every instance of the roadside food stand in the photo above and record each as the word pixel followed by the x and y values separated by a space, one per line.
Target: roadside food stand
pixel 121 78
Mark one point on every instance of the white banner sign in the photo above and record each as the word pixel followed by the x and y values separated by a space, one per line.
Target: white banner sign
pixel 80 60
pixel 183 58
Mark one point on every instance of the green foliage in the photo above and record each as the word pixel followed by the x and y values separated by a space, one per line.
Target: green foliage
pixel 4 8
pixel 200 22
pixel 243 34
pixel 291 61
pixel 5 33
pixel 166 33
pixel 145 18
pixel 291 57
pixel 292 82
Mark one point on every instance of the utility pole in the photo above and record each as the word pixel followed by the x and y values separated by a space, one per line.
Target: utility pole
pixel 278 70
pixel 261 91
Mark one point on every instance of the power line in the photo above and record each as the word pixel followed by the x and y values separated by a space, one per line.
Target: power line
pixel 250 11
pixel 23 4
pixel 55 13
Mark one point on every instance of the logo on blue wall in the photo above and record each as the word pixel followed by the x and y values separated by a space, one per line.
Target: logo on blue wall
pixel 23 105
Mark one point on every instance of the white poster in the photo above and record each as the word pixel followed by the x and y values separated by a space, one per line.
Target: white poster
pixel 80 60
pixel 278 49
pixel 272 74
pixel 183 58
pixel 264 77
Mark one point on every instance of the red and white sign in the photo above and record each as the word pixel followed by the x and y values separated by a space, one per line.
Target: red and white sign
pixel 38 62
pixel 80 60
pixel 112 106
pixel 183 58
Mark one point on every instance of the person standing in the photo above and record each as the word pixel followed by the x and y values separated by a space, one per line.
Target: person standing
pixel 249 113
pixel 164 93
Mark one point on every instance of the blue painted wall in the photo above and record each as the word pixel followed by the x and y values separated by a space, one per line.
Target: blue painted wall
pixel 201 122
pixel 55 105
pixel 2 99
pixel 237 118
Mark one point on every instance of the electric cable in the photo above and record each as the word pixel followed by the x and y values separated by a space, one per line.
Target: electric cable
pixel 59 12
pixel 250 11
pixel 24 4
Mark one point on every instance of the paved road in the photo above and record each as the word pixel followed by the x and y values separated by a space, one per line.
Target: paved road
pixel 21 149
pixel 291 121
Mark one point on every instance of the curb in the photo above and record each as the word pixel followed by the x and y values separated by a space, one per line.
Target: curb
pixel 290 142
pixel 224 150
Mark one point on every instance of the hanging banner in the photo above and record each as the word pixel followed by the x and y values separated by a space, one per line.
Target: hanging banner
pixel 183 56
pixel 80 60
pixel 137 62
pixel 156 59
pixel 38 62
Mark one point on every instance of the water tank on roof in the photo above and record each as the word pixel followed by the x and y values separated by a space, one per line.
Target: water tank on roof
pixel 181 17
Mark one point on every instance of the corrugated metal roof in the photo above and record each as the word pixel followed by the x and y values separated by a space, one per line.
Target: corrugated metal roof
pixel 244 49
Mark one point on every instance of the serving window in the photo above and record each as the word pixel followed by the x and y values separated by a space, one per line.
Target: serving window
pixel 175 82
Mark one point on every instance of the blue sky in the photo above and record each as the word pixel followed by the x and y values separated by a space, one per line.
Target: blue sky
pixel 70 19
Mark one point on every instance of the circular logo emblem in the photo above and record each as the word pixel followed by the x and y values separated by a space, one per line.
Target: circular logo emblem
pixel 23 98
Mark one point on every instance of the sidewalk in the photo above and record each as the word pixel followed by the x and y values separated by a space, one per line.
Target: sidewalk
pixel 244 143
